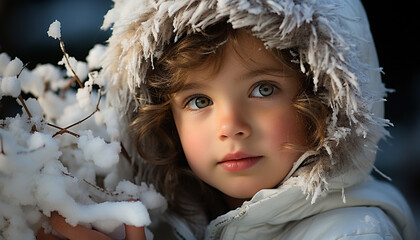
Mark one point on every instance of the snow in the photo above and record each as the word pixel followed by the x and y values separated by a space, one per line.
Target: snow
pixel 13 68
pixel 85 99
pixel 31 82
pixel 94 57
pixel 10 86
pixel 104 155
pixel 81 69
pixel 51 75
pixel 4 60
pixel 43 170
pixel 54 30
pixel 110 117
pixel 52 105
pixel 34 108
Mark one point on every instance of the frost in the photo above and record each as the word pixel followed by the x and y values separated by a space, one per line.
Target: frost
pixel 150 199
pixel 10 86
pixel 61 148
pixel 13 68
pixel 31 82
pixel 103 154
pixel 110 117
pixel 94 57
pixel 4 60
pixel 81 69
pixel 52 104
pixel 48 73
pixel 85 99
pixel 54 30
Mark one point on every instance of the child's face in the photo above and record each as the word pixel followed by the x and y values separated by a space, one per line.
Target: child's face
pixel 233 124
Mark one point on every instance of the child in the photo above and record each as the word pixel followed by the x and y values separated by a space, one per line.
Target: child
pixel 255 119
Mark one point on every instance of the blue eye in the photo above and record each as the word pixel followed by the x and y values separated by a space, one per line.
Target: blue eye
pixel 198 102
pixel 263 90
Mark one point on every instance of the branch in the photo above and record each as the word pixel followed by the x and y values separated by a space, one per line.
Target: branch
pixel 63 130
pixel 67 174
pixel 124 152
pixel 27 111
pixel 64 89
pixel 20 95
pixel 24 66
pixel 1 143
pixel 68 62
pixel 113 194
pixel 23 101
pixel 128 158
pixel 31 151
pixel 24 106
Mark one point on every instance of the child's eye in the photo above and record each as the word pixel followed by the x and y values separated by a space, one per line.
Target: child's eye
pixel 263 90
pixel 198 102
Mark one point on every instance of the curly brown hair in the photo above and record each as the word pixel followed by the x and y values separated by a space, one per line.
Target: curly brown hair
pixel 155 131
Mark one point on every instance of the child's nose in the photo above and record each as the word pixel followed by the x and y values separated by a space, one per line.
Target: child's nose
pixel 233 125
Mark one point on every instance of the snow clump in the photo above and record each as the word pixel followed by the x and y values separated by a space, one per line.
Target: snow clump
pixel 63 153
pixel 55 30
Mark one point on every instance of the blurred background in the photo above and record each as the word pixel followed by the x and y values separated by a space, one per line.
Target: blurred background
pixel 23 34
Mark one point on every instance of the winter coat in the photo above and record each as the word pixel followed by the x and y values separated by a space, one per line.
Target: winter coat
pixel 371 210
pixel 326 194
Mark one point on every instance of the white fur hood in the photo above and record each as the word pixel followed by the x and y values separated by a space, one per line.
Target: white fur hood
pixel 333 38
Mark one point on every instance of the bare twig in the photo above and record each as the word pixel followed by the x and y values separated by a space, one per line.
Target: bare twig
pixel 24 66
pixel 27 111
pixel 68 62
pixel 100 189
pixel 24 106
pixel 68 175
pixel 1 143
pixel 23 101
pixel 64 89
pixel 128 158
pixel 63 130
pixel 124 152
pixel 96 187
pixel 20 95
pixel 113 194
pixel 31 151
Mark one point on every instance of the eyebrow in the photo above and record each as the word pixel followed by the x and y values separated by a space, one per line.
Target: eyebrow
pixel 253 73
pixel 192 86
pixel 267 71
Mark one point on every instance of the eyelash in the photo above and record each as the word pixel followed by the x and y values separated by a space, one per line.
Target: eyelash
pixel 254 87
pixel 191 98
pixel 261 83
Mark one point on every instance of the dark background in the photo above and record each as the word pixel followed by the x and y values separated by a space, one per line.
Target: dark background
pixel 23 34
pixel 395 26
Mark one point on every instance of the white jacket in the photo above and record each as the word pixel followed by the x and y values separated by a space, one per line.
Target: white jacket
pixel 326 195
pixel 372 210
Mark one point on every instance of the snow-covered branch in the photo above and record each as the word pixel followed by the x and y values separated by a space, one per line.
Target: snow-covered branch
pixel 63 153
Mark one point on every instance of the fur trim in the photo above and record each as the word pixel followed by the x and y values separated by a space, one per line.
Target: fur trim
pixel 325 34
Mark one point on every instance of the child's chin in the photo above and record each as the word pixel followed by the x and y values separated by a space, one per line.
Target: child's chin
pixel 242 194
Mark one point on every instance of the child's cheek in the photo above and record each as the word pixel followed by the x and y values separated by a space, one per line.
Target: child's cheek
pixel 195 145
pixel 283 128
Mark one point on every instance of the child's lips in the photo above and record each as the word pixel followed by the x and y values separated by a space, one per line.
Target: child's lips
pixel 234 162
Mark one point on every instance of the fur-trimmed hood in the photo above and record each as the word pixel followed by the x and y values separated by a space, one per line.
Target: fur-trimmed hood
pixel 332 38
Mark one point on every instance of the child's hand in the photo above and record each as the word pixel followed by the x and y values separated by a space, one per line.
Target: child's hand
pixel 82 233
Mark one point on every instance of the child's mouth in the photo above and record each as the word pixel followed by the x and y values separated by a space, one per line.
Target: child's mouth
pixel 238 161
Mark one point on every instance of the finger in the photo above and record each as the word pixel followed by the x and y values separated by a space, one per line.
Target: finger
pixel 134 233
pixel 78 232
pixel 41 235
